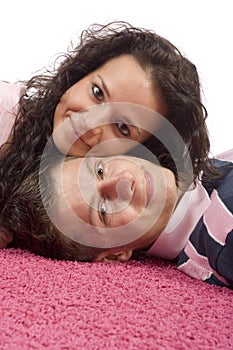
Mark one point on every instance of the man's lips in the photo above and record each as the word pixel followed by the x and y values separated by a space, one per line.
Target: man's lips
pixel 149 186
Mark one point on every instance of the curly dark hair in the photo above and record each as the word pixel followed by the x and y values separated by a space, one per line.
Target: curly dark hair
pixel 174 74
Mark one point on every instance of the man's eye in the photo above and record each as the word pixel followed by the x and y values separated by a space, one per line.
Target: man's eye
pixel 123 129
pixel 100 171
pixel 103 209
pixel 97 92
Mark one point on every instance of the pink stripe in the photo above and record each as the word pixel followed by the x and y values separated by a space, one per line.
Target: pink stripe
pixel 200 260
pixel 195 271
pixel 228 155
pixel 198 266
pixel 183 221
pixel 218 219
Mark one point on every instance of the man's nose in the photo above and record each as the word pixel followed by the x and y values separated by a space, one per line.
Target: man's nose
pixel 119 186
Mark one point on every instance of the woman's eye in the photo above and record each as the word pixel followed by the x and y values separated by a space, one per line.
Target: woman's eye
pixel 97 92
pixel 100 171
pixel 123 129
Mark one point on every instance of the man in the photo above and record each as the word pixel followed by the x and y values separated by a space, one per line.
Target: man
pixel 103 209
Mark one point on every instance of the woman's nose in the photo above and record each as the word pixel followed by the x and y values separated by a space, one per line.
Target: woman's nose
pixel 92 118
pixel 120 186
pixel 88 128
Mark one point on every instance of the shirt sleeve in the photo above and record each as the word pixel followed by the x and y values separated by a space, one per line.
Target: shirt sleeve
pixel 9 106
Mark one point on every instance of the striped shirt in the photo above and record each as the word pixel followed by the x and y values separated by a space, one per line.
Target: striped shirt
pixel 199 235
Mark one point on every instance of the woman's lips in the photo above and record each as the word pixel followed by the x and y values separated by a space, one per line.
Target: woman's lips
pixel 149 186
pixel 79 138
pixel 74 127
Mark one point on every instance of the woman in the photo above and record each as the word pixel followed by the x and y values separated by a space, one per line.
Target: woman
pixel 159 72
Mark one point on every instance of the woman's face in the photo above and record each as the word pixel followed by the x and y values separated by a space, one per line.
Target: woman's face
pixel 107 104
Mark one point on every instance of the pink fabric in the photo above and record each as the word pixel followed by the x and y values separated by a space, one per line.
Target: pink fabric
pixel 9 98
pixel 198 265
pixel 228 155
pixel 184 219
pixel 142 304
pixel 223 219
pixel 191 207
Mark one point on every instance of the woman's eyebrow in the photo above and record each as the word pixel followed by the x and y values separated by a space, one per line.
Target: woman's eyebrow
pixel 104 85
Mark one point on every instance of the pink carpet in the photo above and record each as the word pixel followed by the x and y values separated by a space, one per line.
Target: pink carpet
pixel 145 304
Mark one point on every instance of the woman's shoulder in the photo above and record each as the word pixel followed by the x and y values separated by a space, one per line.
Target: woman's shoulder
pixel 9 107
pixel 227 155
pixel 10 94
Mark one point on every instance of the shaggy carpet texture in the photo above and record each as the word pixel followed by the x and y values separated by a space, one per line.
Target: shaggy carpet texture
pixel 142 304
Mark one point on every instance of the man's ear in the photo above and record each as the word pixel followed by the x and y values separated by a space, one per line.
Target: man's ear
pixel 5 238
pixel 115 255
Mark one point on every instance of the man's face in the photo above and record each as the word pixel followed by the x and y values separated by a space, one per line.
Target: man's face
pixel 113 201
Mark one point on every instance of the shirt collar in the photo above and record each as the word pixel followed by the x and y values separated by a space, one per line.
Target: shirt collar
pixel 189 210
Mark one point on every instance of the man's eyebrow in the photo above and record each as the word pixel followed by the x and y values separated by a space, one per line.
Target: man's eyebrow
pixel 91 215
pixel 104 85
pixel 92 212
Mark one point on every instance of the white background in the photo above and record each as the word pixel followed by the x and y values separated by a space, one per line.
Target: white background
pixel 33 33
